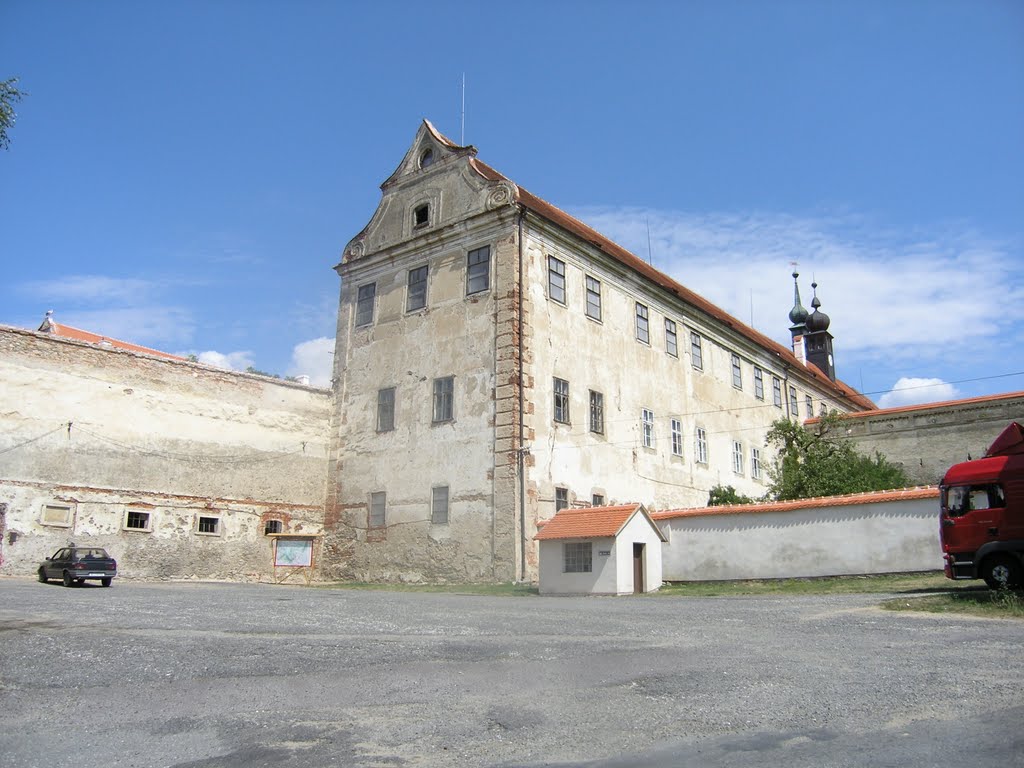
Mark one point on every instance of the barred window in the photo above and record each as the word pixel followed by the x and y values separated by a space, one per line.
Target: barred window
pixel 556 280
pixel 208 524
pixel 643 333
pixel 578 556
pixel 596 412
pixel 364 304
pixel 444 399
pixel 478 270
pixel 593 298
pixel 561 390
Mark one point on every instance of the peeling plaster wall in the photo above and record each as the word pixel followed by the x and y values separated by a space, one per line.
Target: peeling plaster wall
pixel 171 438
pixel 888 537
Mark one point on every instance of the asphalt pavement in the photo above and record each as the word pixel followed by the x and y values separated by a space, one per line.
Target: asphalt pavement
pixel 243 676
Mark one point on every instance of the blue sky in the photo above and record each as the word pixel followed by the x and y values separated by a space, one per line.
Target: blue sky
pixel 184 175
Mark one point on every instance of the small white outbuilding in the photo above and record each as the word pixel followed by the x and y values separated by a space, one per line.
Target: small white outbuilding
pixel 600 551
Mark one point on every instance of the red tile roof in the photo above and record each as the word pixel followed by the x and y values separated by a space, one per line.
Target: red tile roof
pixel 599 241
pixel 871 497
pixel 927 406
pixel 67 332
pixel 589 522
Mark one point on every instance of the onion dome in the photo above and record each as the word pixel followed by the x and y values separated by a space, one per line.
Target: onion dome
pixel 798 314
pixel 818 320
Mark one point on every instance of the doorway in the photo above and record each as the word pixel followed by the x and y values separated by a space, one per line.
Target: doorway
pixel 638 568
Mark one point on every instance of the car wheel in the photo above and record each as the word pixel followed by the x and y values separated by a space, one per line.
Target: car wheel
pixel 42 575
pixel 106 582
pixel 1001 572
pixel 67 580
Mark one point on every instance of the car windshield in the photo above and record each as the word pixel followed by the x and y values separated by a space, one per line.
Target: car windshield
pixel 90 554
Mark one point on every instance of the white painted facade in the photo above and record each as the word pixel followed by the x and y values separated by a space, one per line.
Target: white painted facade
pixel 829 538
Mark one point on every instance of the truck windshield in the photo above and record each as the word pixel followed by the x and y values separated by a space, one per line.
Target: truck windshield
pixel 958 500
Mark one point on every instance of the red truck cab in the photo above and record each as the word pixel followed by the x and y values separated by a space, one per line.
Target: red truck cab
pixel 982 514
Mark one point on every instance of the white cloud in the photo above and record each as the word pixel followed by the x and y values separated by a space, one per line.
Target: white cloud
pixel 233 361
pixel 314 358
pixel 912 391
pixel 87 288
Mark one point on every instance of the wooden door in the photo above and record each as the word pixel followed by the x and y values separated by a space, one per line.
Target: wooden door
pixel 638 568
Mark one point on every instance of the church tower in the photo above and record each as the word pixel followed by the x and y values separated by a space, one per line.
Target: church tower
pixel 798 317
pixel 817 340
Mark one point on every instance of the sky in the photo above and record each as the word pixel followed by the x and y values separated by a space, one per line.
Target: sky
pixel 185 175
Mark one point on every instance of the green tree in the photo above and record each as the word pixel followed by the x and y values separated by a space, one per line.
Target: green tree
pixel 726 495
pixel 824 462
pixel 9 96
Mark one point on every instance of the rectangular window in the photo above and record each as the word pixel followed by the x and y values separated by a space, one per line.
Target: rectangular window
pixel 416 295
pixel 364 304
pixel 378 509
pixel 755 463
pixel 137 520
pixel 737 372
pixel 700 446
pixel 561 401
pixel 56 514
pixel 758 383
pixel 777 391
pixel 439 505
pixel 647 427
pixel 596 412
pixel 677 437
pixel 794 405
pixel 597 500
pixel 444 399
pixel 643 332
pixel 737 457
pixel 822 409
pixel 593 298
pixel 386 409
pixel 208 525
pixel 578 556
pixel 696 353
pixel 271 527
pixel 478 270
pixel 561 499
pixel 671 342
pixel 810 406
pixel 556 280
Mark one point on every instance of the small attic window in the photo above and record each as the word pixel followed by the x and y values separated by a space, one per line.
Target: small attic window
pixel 426 158
pixel 421 215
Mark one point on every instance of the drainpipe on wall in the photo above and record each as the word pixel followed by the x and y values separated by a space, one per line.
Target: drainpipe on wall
pixel 785 389
pixel 521 450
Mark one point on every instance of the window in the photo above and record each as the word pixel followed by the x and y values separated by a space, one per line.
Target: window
pixel 478 270
pixel 700 446
pixel 677 437
pixel 737 457
pixel 386 409
pixel 696 354
pixel 822 409
pixel 137 520
pixel 642 331
pixel 561 401
pixel 777 391
pixel 596 412
pixel 578 556
pixel 737 372
pixel 271 527
pixel 647 427
pixel 593 298
pixel 421 216
pixel 561 499
pixel 755 463
pixel 597 500
pixel 958 500
pixel 794 405
pixel 56 514
pixel 556 280
pixel 809 402
pixel 444 397
pixel 416 295
pixel 427 158
pixel 378 509
pixel 208 525
pixel 671 343
pixel 439 505
pixel 758 383
pixel 364 304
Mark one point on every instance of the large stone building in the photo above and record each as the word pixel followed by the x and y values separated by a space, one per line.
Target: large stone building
pixel 497 360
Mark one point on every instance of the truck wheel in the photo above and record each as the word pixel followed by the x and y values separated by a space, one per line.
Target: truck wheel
pixel 42 575
pixel 1001 572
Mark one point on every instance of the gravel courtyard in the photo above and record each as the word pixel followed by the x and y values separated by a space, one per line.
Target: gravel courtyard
pixel 241 676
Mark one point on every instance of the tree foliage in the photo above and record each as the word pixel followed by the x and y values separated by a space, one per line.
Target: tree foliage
pixel 726 495
pixel 824 462
pixel 9 96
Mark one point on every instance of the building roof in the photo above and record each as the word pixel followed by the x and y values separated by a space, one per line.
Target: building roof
pixel 591 522
pixel 557 216
pixel 67 332
pixel 930 406
pixel 850 499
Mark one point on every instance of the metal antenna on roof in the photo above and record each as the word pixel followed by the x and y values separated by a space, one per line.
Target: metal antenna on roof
pixel 650 255
pixel 462 140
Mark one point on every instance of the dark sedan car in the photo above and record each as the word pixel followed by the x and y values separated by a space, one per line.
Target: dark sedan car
pixel 73 565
